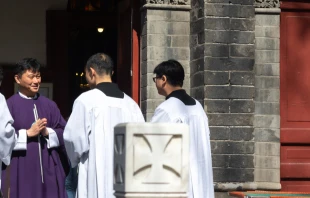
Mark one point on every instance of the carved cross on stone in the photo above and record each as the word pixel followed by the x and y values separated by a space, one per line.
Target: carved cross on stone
pixel 158 155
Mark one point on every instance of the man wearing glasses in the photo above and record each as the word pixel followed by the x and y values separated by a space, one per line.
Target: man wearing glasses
pixel 179 107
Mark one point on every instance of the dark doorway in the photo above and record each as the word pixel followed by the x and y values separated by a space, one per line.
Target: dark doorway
pixel 83 43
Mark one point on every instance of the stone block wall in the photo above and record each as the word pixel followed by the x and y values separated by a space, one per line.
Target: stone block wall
pixel 229 89
pixel 165 35
pixel 267 107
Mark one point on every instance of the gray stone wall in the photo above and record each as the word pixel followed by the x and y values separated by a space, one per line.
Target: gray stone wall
pixel 267 112
pixel 165 35
pixel 229 89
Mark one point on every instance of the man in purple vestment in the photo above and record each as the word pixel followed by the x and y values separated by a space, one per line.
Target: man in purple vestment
pixel 39 163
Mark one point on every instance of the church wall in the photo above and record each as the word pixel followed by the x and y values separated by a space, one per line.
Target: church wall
pixel 165 35
pixel 23 29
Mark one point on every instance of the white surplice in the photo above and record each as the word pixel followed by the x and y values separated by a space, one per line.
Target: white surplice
pixel 89 139
pixel 7 134
pixel 201 174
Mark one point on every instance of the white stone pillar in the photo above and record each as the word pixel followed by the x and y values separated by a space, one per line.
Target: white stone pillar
pixel 151 160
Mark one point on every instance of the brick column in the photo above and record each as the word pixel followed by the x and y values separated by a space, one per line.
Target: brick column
pixel 165 35
pixel 267 84
pixel 229 90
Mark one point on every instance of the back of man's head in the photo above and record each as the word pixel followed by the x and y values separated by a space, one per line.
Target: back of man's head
pixel 173 70
pixel 101 63
pixel 1 75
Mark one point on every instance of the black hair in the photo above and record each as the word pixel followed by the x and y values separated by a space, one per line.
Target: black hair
pixel 173 70
pixel 101 63
pixel 27 64
pixel 1 74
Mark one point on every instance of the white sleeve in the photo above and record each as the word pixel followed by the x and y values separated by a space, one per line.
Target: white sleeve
pixel 7 132
pixel 52 140
pixel 76 133
pixel 160 115
pixel 21 143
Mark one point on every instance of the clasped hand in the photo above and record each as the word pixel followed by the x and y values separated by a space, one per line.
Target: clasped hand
pixel 38 127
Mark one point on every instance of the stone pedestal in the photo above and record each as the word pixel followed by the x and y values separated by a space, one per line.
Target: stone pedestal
pixel 151 160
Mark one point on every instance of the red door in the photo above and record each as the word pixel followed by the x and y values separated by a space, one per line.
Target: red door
pixel 295 96
pixel 128 48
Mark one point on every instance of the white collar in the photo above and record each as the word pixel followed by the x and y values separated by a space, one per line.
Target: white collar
pixel 26 97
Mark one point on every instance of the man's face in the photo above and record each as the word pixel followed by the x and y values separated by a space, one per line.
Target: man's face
pixel 29 82
pixel 159 82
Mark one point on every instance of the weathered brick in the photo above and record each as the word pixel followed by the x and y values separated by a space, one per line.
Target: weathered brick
pixel 267 56
pixel 216 78
pixel 193 41
pixel 157 27
pixel 180 15
pixel 233 175
pixel 216 36
pixel 267 43
pixel 157 53
pixel 267 148
pixel 267 69
pixel 267 20
pixel 267 108
pixel 242 50
pixel 229 92
pixel 220 161
pixel 269 82
pixel 179 41
pixel 241 37
pixel 197 92
pixel 267 31
pixel 196 66
pixel 267 175
pixel 241 161
pixel 197 26
pixel 229 147
pixel 178 28
pixel 219 133
pixel 267 135
pixel 217 23
pixel 150 105
pixel 178 53
pixel 242 106
pixel 158 40
pixel 241 134
pixel 201 37
pixel 197 52
pixel 267 161
pixel 242 78
pixel 242 24
pixel 220 119
pixel 225 64
pixel 197 79
pixel 217 106
pixel 241 11
pixel 267 121
pixel 216 50
pixel 217 9
pixel 267 95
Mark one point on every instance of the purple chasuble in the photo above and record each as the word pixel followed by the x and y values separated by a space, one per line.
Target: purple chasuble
pixel 24 175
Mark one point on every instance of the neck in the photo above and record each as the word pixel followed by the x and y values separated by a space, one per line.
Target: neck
pixel 27 93
pixel 104 80
pixel 171 89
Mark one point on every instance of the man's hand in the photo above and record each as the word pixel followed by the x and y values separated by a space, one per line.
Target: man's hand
pixel 37 127
pixel 44 132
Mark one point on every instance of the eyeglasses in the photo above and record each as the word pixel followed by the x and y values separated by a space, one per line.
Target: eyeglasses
pixel 154 78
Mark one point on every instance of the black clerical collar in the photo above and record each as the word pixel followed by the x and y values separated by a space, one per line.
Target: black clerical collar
pixel 110 89
pixel 183 96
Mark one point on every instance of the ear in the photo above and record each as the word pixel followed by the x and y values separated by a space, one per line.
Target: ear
pixel 92 72
pixel 17 79
pixel 112 73
pixel 164 79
